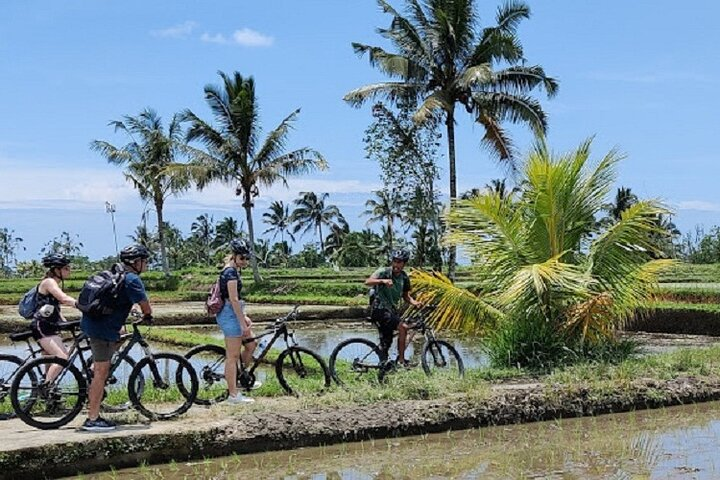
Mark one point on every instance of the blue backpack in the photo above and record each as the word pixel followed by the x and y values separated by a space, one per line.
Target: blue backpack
pixel 29 303
pixel 99 294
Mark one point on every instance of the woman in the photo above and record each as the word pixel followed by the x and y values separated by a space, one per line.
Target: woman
pixel 50 295
pixel 232 320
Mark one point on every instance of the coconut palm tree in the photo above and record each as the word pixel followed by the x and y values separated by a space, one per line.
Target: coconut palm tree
pixel 226 230
pixel 278 217
pixel 383 208
pixel 624 199
pixel 546 278
pixel 233 152
pixel 444 59
pixel 147 156
pixel 312 213
pixel 203 232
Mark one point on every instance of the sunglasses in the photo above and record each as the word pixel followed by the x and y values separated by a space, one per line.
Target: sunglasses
pixel 243 257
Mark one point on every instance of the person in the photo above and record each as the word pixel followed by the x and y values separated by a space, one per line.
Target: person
pixel 47 318
pixel 392 284
pixel 232 320
pixel 103 332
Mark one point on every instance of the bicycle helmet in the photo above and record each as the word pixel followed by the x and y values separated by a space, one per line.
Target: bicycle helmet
pixel 133 252
pixel 400 254
pixel 239 247
pixel 55 260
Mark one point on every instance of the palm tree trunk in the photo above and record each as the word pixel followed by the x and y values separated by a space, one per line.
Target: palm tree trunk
pixel 450 123
pixel 247 204
pixel 322 244
pixel 390 234
pixel 161 237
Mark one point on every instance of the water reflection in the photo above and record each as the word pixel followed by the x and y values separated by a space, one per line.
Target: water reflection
pixel 677 443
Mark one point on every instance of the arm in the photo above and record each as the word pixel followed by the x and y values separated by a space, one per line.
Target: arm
pixel 51 287
pixel 373 281
pixel 409 299
pixel 235 302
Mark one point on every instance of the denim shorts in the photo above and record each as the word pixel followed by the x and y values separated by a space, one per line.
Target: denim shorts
pixel 228 322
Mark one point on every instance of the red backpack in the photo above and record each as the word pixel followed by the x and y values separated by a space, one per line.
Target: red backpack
pixel 214 302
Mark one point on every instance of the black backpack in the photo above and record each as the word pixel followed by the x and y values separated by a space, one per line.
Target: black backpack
pixel 99 294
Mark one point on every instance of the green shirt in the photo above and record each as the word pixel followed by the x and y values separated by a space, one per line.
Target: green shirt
pixel 389 297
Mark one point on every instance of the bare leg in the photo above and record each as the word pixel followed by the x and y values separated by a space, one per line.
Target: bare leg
pixel 232 355
pixel 402 341
pixel 53 346
pixel 97 388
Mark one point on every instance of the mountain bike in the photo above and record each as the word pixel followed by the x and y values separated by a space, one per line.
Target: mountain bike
pixel 299 370
pixel 152 383
pixel 358 358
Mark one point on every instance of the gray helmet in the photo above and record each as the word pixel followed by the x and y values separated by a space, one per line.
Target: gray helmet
pixel 400 254
pixel 133 252
pixel 239 247
pixel 55 260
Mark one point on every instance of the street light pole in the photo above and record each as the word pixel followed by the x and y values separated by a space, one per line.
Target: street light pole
pixel 110 208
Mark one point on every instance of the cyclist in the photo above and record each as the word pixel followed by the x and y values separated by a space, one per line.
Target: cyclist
pixel 47 317
pixel 391 284
pixel 232 320
pixel 104 331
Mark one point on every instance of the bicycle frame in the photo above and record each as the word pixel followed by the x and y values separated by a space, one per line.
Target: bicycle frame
pixel 278 329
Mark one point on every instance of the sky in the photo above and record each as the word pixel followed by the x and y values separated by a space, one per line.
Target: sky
pixel 639 76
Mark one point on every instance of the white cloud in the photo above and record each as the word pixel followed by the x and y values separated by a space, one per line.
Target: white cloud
pixel 698 205
pixel 181 30
pixel 245 37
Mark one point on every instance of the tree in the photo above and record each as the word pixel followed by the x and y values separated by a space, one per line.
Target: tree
pixel 233 153
pixel 383 209
pixel 226 230
pixel 203 232
pixel 360 249
pixel 279 219
pixel 547 282
pixel 64 244
pixel 312 213
pixel 624 199
pixel 147 157
pixel 9 244
pixel 443 59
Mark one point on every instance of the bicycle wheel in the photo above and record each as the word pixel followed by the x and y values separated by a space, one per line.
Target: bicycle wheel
pixel 115 397
pixel 209 363
pixel 355 360
pixel 302 371
pixel 47 405
pixel 170 386
pixel 439 356
pixel 9 365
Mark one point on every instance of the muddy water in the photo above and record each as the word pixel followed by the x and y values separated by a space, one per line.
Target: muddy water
pixel 674 443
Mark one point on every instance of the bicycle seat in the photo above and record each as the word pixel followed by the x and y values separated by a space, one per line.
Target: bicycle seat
pixel 20 336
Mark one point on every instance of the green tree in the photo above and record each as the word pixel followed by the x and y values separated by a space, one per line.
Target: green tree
pixel 65 244
pixel 279 219
pixel 624 199
pixel 360 249
pixel 444 59
pixel 312 213
pixel 147 156
pixel 233 153
pixel 547 281
pixel 202 231
pixel 384 208
pixel 9 244
pixel 226 230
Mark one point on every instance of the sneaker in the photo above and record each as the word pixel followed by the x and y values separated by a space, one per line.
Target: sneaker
pixel 255 385
pixel 238 399
pixel 98 425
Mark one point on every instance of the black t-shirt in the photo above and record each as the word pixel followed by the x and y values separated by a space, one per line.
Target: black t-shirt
pixel 229 273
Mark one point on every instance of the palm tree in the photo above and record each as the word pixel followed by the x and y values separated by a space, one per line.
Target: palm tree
pixel 279 220
pixel 312 213
pixel 147 157
pixel 624 199
pixel 226 230
pixel 203 232
pixel 383 209
pixel 234 153
pixel 443 59
pixel 547 278
pixel 9 244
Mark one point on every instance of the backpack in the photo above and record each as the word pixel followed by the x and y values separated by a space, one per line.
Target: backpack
pixel 29 303
pixel 214 302
pixel 99 294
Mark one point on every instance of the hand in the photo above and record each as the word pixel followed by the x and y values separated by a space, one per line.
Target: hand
pixel 387 282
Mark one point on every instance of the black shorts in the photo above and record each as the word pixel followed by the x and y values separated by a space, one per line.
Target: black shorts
pixel 42 329
pixel 387 322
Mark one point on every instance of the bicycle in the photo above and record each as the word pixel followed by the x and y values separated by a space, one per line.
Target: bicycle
pixel 353 359
pixel 150 388
pixel 298 369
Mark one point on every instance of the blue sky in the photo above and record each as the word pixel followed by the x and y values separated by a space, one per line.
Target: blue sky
pixel 641 76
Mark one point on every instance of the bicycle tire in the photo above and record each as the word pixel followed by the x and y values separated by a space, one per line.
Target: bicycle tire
pixel 114 378
pixel 209 364
pixel 302 371
pixel 9 366
pixel 68 389
pixel 353 358
pixel 439 355
pixel 154 401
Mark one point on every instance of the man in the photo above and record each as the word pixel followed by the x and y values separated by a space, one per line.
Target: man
pixel 104 330
pixel 391 284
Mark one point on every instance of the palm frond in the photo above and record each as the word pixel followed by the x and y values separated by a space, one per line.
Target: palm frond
pixel 389 90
